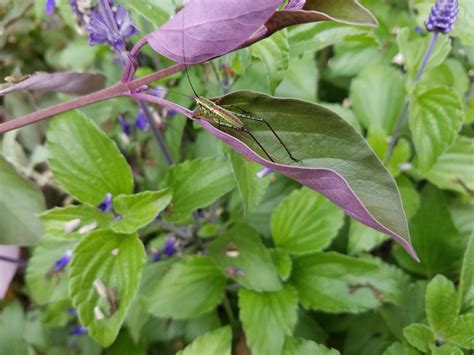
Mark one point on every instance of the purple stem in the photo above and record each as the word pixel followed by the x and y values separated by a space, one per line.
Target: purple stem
pixel 119 89
pixel 163 102
pixel 427 56
pixel 156 131
pixel 404 115
pixel 8 259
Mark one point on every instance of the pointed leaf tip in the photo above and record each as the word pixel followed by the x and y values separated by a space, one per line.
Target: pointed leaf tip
pixel 335 160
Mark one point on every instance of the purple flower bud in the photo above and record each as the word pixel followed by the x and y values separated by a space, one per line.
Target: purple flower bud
pixel 264 172
pixel 50 5
pixel 106 205
pixel 156 257
pixel 443 16
pixel 141 121
pixel 159 91
pixel 419 30
pixel 172 112
pixel 169 248
pixel 125 125
pixel 62 262
pixel 78 330
pixel 110 24
pixel 71 311
pixel 234 271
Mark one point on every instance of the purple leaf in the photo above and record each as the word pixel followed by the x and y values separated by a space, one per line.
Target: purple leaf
pixel 8 269
pixel 295 4
pixel 205 29
pixel 344 11
pixel 68 83
pixel 335 159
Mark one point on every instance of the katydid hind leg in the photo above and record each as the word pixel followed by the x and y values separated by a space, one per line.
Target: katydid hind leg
pixel 259 119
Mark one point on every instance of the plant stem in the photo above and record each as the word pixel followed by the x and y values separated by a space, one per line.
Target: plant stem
pixel 404 115
pixel 8 259
pixel 102 95
pixel 119 89
pixel 163 102
pixel 156 131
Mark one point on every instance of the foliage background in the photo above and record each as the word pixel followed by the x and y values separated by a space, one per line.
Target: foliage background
pixel 308 275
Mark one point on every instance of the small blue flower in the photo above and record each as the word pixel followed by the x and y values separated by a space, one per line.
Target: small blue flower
pixel 110 24
pixel 141 121
pixel 234 271
pixel 264 172
pixel 169 248
pixel 78 330
pixel 172 112
pixel 106 205
pixel 443 16
pixel 62 262
pixel 50 5
pixel 125 125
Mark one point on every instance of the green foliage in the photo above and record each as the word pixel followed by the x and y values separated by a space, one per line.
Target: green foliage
pixel 305 222
pixel 201 255
pixel 86 163
pixel 378 97
pixel 267 318
pixel 216 342
pixel 191 288
pixel 19 202
pixel 241 248
pixel 436 116
pixel 197 184
pixel 104 277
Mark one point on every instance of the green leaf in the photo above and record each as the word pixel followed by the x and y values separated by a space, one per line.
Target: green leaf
pixel 196 184
pixel 201 325
pixel 85 162
pixel 44 287
pixel 413 50
pixel 138 210
pixel 378 97
pixel 299 346
pixel 305 222
pixel 442 304
pixel 434 236
pixel 454 169
pixel 464 28
pixel 451 74
pixel 189 289
pixel 138 314
pixel 345 11
pixel 20 202
pixel 446 349
pixel 301 79
pixel 335 159
pixel 275 54
pixel 320 35
pixel 112 261
pixel 334 282
pixel 363 239
pixel 241 248
pixel 59 222
pixel 251 187
pixel 216 342
pixel 420 336
pixel 399 348
pixel 12 327
pixel 283 262
pixel 462 333
pixel 154 11
pixel 466 284
pixel 267 318
pixel 436 115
